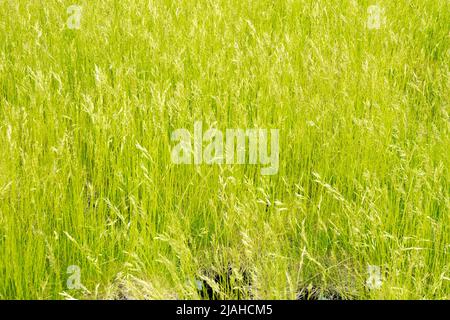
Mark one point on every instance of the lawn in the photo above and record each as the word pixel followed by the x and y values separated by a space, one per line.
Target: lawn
pixel 93 205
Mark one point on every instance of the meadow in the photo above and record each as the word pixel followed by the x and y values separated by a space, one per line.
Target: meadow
pixel 93 207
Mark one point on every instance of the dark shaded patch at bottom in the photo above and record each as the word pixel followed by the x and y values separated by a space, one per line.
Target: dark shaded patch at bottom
pixel 231 283
pixel 316 293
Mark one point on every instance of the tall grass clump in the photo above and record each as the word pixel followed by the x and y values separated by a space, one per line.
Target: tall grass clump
pixel 87 180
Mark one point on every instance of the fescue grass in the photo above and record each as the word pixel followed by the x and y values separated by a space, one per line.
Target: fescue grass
pixel 86 176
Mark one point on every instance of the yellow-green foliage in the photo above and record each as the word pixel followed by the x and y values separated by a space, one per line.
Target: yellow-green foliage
pixel 86 177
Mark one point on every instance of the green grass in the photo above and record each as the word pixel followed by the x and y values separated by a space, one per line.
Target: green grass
pixel 86 176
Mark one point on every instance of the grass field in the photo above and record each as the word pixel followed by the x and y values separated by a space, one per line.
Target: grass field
pixel 93 207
